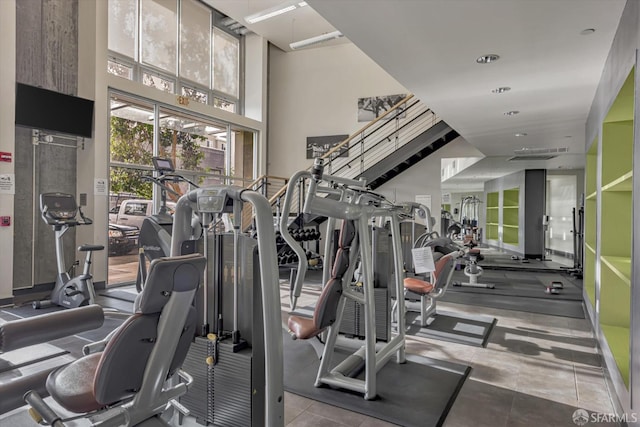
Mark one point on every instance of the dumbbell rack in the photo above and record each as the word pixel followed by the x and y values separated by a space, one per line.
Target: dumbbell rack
pixel 305 236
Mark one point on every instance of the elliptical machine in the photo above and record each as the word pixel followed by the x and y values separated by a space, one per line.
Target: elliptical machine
pixel 59 210
pixel 154 240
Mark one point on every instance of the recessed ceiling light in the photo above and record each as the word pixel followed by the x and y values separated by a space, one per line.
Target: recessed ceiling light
pixel 486 59
pixel 511 113
pixel 587 31
pixel 521 134
pixel 502 89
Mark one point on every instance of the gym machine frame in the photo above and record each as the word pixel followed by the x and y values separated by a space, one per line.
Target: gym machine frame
pixel 355 203
pixel 218 200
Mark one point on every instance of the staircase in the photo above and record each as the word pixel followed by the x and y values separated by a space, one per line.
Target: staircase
pixel 381 150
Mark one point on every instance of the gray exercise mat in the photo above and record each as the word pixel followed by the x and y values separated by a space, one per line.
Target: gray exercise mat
pixel 417 393
pixel 504 262
pixel 458 328
pixel 531 285
pixel 564 308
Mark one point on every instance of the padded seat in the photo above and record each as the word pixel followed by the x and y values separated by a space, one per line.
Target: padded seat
pixel 423 287
pixel 101 379
pixel 474 253
pixel 72 391
pixel 418 286
pixel 303 327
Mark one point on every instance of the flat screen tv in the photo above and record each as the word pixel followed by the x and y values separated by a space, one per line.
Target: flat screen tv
pixel 53 111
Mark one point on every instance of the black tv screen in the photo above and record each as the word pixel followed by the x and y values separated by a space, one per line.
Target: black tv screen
pixel 53 111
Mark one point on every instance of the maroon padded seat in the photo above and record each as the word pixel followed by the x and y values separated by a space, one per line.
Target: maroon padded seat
pixel 441 274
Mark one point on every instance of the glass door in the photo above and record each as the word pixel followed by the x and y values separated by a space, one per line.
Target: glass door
pixel 203 150
pixel 131 150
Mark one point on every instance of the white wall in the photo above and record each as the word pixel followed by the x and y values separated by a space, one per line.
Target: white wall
pixel 7 136
pixel 314 92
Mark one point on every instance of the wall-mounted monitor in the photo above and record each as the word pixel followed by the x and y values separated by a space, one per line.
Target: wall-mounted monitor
pixel 53 111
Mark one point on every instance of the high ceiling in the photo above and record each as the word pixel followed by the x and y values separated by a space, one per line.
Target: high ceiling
pixel 549 61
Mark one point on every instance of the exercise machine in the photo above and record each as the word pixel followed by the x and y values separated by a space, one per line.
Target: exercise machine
pixel 420 292
pixel 237 358
pixel 60 211
pixel 468 253
pixel 578 241
pixel 473 270
pixel 132 379
pixel 154 240
pixel 466 228
pixel 429 291
pixel 351 202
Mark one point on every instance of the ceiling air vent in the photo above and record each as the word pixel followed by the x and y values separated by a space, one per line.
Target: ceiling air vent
pixel 537 153
pixel 532 157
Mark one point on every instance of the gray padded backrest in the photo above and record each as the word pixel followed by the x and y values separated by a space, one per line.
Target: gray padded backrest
pixel 121 367
pixel 160 283
pixel 443 245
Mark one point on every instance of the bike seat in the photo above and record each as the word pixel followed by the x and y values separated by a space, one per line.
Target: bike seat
pixel 87 248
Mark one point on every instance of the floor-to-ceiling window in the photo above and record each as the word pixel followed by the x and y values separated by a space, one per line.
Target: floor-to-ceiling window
pixel 177 46
pixel 182 47
pixel 204 151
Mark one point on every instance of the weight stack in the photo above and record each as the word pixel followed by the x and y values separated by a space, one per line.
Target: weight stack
pixel 350 319
pixel 224 394
pixel 353 317
pixel 232 388
pixel 199 398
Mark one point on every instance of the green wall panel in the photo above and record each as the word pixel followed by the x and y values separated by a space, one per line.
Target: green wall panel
pixel 617 150
pixel 615 296
pixel 618 340
pixel 616 225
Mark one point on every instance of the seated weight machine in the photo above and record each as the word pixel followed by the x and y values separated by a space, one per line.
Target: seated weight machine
pixel 132 379
pixel 421 294
pixel 236 359
pixel 350 201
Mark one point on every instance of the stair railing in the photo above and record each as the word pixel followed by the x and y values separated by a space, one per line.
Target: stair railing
pixel 372 143
pixel 380 138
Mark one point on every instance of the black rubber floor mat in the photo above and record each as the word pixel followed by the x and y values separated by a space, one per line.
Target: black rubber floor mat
pixel 417 393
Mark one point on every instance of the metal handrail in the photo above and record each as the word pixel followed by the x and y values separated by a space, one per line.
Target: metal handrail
pixel 369 145
pixel 392 110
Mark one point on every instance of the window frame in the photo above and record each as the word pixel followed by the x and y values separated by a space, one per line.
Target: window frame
pixel 139 68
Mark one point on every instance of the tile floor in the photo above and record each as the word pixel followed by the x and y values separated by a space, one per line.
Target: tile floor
pixel 535 371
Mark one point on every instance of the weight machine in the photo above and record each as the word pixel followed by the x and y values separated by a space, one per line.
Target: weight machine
pixel 350 201
pixel 237 357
